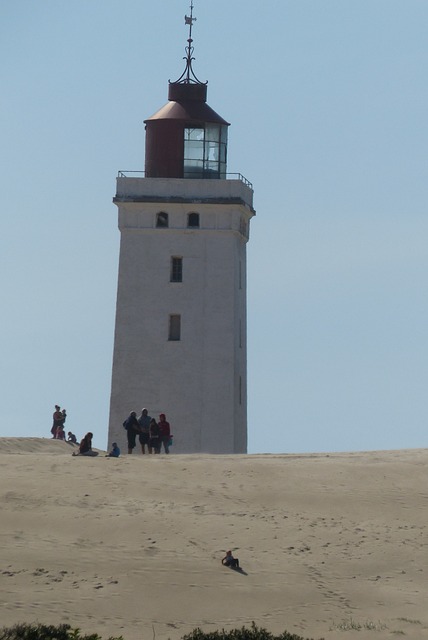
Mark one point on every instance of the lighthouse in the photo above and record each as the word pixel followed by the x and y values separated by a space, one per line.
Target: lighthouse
pixel 180 343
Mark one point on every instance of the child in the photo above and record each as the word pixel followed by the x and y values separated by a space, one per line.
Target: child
pixel 60 433
pixel 154 442
pixel 71 438
pixel 230 561
pixel 115 451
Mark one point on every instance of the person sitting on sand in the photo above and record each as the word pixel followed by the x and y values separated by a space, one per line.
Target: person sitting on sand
pixel 230 561
pixel 71 438
pixel 85 447
pixel 115 451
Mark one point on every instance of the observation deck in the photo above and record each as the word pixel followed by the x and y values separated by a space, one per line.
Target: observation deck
pixel 133 186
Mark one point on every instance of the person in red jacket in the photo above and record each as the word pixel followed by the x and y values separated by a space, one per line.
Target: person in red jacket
pixel 57 420
pixel 165 433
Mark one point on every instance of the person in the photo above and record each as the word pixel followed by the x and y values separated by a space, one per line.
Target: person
pixel 132 428
pixel 63 418
pixel 85 447
pixel 57 417
pixel 115 451
pixel 154 441
pixel 165 433
pixel 144 435
pixel 71 438
pixel 60 433
pixel 230 561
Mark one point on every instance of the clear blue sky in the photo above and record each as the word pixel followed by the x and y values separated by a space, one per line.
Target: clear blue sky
pixel 328 102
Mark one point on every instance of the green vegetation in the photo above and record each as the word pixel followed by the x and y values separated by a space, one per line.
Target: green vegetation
pixel 242 634
pixel 65 632
pixel 46 632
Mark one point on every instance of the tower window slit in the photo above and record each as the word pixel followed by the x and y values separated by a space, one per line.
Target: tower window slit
pixel 174 327
pixel 176 269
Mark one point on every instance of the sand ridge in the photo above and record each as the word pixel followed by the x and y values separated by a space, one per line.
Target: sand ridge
pixel 133 546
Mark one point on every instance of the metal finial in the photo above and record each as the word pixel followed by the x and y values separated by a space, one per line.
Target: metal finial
pixel 190 20
pixel 188 76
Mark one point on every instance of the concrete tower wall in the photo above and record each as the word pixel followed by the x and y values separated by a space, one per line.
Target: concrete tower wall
pixel 199 381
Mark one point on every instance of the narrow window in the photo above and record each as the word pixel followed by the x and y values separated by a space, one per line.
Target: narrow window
pixel 174 327
pixel 176 269
pixel 161 220
pixel 193 220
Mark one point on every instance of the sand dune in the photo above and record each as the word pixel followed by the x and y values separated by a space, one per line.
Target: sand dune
pixel 133 546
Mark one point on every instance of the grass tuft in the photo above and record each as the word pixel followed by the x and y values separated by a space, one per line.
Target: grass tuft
pixel 409 620
pixel 352 625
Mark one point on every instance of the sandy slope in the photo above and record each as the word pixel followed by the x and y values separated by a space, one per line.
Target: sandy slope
pixel 133 546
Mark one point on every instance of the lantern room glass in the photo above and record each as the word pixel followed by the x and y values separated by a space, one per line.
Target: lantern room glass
pixel 205 151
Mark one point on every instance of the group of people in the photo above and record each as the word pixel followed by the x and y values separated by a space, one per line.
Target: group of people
pixel 57 430
pixel 59 418
pixel 151 434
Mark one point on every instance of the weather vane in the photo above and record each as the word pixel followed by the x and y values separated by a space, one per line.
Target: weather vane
pixel 188 76
pixel 190 20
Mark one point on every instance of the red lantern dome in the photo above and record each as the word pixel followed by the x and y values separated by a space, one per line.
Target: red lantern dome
pixel 186 138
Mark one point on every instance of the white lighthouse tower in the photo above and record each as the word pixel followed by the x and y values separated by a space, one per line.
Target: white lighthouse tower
pixel 180 338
